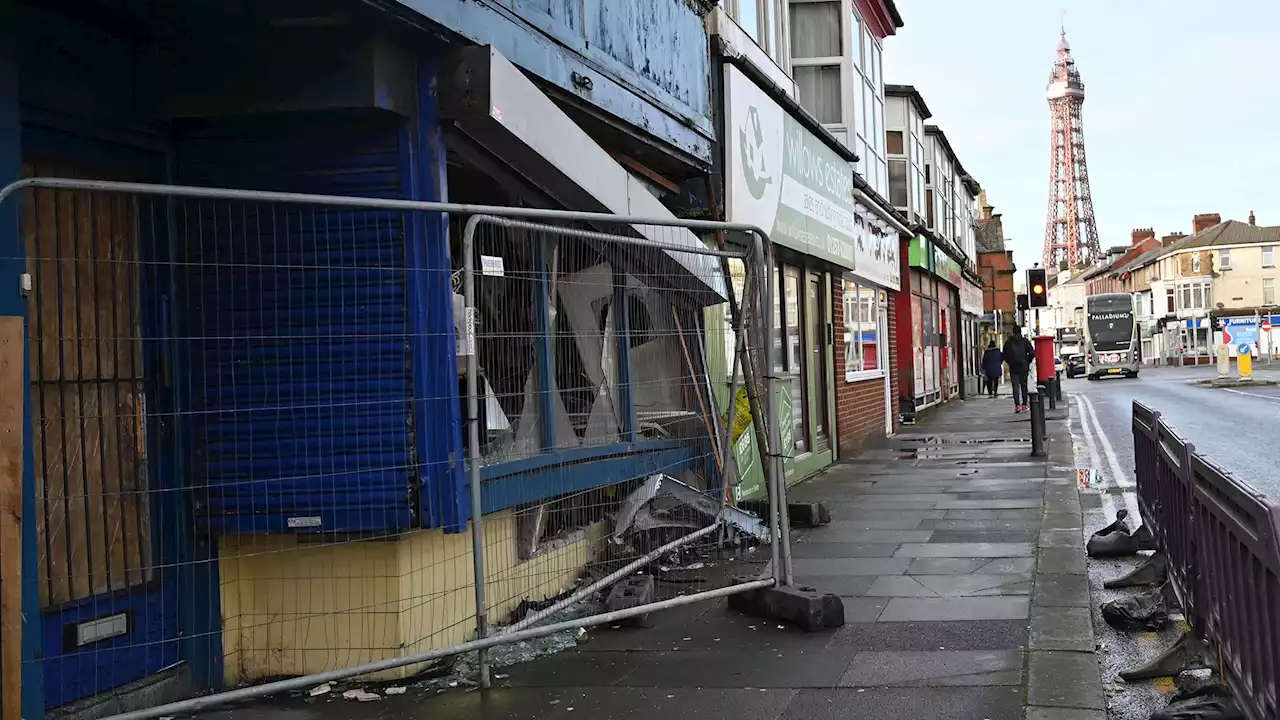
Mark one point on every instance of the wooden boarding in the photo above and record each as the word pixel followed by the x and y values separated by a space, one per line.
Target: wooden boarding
pixel 12 393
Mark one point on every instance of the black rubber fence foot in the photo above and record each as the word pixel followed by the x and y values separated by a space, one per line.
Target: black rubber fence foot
pixel 799 514
pixel 1152 572
pixel 800 605
pixel 1183 654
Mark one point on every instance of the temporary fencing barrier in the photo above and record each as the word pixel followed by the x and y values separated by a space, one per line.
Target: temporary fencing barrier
pixel 1222 539
pixel 263 422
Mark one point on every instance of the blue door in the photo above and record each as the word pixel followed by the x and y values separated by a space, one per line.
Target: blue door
pixel 107 593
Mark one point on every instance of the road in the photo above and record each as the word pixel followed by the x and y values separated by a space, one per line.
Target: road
pixel 1237 429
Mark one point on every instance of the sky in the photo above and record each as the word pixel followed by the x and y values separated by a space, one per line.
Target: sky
pixel 1181 110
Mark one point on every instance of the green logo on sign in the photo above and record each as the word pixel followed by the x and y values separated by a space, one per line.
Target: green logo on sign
pixel 751 140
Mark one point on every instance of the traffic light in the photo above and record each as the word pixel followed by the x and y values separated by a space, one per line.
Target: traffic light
pixel 1037 288
pixel 1022 301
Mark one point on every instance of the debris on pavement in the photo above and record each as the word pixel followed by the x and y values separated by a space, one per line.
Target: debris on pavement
pixel 361 695
pixel 395 690
pixel 1145 611
pixel 320 690
pixel 1114 540
pixel 1209 702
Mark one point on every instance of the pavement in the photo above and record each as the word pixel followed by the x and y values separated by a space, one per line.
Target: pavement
pixel 960 561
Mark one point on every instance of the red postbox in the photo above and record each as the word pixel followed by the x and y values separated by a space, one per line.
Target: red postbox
pixel 1045 358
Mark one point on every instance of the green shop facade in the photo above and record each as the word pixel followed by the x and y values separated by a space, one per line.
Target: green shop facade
pixel 783 173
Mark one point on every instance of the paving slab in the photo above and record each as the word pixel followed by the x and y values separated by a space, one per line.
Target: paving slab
pixel 979 525
pixel 962 608
pixel 1061 561
pixel 950 585
pixel 844 533
pixel 979 514
pixel 851 585
pixel 964 550
pixel 965 703
pixel 1061 628
pixel 842 549
pixel 1064 679
pixel 818 567
pixel 646 703
pixel 1069 538
pixel 988 504
pixel 759 669
pixel 863 609
pixel 934 668
pixel 955 635
pixel 1025 535
pixel 1052 590
pixel 841 521
pixel 1043 713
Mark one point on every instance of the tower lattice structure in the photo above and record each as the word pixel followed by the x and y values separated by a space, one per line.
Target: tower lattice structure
pixel 1070 232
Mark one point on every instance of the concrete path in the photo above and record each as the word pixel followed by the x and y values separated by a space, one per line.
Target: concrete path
pixel 961 564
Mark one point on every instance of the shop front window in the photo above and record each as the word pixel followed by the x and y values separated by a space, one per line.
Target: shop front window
pixel 817 367
pixel 865 323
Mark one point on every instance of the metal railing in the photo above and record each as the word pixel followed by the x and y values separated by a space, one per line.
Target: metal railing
pixel 261 422
pixel 1222 539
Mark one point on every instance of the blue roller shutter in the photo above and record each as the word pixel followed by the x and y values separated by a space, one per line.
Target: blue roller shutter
pixel 295 327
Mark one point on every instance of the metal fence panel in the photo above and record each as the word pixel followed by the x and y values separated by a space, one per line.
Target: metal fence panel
pixel 1222 539
pixel 247 396
pixel 1237 532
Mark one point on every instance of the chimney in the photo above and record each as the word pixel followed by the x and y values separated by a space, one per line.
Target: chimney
pixel 1252 220
pixel 1171 238
pixel 1204 221
pixel 1141 234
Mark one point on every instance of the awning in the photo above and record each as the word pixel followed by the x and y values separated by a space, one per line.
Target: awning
pixel 496 107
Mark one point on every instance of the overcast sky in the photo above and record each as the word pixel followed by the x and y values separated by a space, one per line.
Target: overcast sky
pixel 1181 113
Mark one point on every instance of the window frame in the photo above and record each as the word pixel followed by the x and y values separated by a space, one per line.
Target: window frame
pixel 1268 283
pixel 1268 256
pixel 853 297
pixel 1224 259
pixel 841 124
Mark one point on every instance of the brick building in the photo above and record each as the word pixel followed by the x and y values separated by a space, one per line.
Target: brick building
pixel 995 265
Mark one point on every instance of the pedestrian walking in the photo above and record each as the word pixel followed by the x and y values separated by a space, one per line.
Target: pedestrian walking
pixel 992 367
pixel 1018 354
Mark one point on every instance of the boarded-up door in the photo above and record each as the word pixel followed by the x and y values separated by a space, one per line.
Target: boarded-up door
pixel 109 616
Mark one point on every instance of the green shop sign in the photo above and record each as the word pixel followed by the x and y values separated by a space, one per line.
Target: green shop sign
pixel 782 178
pixel 920 253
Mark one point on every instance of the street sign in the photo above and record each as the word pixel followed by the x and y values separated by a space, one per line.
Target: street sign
pixel 1266 326
pixel 1243 349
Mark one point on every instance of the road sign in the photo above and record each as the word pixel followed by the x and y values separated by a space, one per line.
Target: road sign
pixel 1243 349
pixel 1266 326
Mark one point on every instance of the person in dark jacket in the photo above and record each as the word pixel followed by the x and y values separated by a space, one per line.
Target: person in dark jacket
pixel 1019 353
pixel 992 367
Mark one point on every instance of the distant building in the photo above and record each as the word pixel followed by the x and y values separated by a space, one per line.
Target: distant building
pixel 996 267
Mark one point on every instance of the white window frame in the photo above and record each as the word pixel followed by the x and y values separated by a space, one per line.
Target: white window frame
pixel 851 297
pixel 776 44
pixel 842 123
pixel 1195 263
pixel 1268 284
pixel 1268 256
pixel 1224 259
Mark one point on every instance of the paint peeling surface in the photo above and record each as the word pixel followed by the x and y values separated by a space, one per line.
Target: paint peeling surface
pixel 646 62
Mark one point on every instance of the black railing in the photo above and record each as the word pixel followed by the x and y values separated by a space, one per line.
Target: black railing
pixel 1222 539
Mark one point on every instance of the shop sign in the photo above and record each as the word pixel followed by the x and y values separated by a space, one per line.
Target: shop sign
pixel 920 253
pixel 946 268
pixel 876 251
pixel 971 298
pixel 783 179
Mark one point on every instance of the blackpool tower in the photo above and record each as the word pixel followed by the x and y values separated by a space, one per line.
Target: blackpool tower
pixel 1070 233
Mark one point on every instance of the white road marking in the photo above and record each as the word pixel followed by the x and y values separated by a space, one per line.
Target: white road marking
pixel 1263 397
pixel 1121 478
pixel 1108 502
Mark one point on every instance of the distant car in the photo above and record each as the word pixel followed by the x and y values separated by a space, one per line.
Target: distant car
pixel 1059 365
pixel 1074 365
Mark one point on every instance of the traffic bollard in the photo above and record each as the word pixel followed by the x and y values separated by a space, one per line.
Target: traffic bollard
pixel 1047 389
pixel 1036 404
pixel 1057 386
